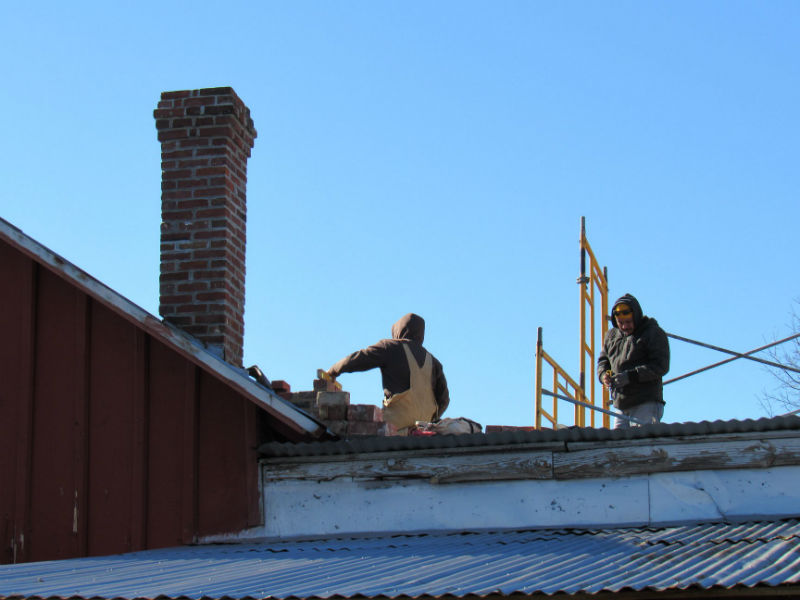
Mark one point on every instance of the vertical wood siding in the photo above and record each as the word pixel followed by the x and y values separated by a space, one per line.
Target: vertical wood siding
pixel 110 441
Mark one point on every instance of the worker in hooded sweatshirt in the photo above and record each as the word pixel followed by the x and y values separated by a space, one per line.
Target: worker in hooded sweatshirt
pixel 634 358
pixel 414 386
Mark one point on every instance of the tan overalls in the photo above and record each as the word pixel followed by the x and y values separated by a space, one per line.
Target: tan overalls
pixel 417 403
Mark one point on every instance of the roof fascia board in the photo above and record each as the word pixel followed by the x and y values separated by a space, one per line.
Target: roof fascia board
pixel 348 506
pixel 762 452
pixel 436 469
pixel 184 344
pixel 486 463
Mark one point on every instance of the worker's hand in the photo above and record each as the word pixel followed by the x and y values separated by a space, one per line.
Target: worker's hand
pixel 620 380
pixel 325 375
pixel 607 379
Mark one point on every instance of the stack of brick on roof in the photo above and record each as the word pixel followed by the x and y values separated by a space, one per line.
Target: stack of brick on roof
pixel 333 407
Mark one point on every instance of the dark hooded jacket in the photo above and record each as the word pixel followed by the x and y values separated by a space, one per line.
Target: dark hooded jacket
pixel 388 355
pixel 644 354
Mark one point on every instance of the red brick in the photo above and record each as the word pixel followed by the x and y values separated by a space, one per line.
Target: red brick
pixel 199 101
pixel 194 142
pixel 208 319
pixel 195 203
pixel 212 213
pixel 173 256
pixel 176 174
pixel 171 134
pixel 176 299
pixel 364 428
pixel 499 428
pixel 191 265
pixel 365 412
pixel 323 385
pixel 176 95
pixel 176 154
pixel 210 192
pixel 219 274
pixel 225 132
pixel 205 253
pixel 212 151
pixel 191 183
pixel 333 398
pixel 332 412
pixel 178 214
pixel 280 386
pixel 221 109
pixel 167 113
pixel 193 286
pixel 176 195
pixel 190 162
pixel 212 171
pixel 224 90
pixel 211 296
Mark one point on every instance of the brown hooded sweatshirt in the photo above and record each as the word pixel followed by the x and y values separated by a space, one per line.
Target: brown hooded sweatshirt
pixel 390 358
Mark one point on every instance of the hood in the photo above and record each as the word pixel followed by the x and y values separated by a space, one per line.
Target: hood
pixel 631 301
pixel 409 327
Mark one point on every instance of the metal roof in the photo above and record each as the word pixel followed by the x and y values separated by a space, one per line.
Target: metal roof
pixel 532 562
pixel 522 437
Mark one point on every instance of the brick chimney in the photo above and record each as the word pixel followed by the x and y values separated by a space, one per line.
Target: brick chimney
pixel 206 137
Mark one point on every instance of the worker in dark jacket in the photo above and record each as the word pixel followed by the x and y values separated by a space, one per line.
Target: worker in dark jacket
pixel 414 386
pixel 635 356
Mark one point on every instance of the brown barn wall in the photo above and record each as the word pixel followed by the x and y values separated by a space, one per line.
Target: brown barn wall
pixel 16 392
pixel 113 394
pixel 110 441
pixel 57 471
pixel 227 463
pixel 169 484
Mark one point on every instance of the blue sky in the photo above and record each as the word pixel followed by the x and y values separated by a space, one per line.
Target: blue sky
pixel 437 158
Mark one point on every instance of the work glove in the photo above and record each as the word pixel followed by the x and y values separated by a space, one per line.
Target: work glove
pixel 620 380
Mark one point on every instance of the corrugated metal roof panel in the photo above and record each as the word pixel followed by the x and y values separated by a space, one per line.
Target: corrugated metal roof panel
pixel 461 564
pixel 546 436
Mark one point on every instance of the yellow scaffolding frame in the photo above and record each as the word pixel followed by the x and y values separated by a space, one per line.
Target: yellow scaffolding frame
pixel 592 285
pixel 563 385
pixel 593 289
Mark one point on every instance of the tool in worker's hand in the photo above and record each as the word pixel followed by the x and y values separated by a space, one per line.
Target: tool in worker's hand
pixel 325 376
pixel 621 379
pixel 612 389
